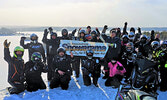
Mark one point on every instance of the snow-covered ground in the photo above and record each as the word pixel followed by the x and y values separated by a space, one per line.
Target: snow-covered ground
pixel 76 91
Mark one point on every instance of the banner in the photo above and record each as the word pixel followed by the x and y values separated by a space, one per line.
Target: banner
pixel 79 48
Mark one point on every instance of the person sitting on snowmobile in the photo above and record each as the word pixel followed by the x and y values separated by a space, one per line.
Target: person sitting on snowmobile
pixel 33 46
pixel 90 66
pixel 16 67
pixel 33 71
pixel 62 69
pixel 116 73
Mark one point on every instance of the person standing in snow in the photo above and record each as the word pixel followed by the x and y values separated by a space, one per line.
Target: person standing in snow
pixel 33 71
pixel 16 68
pixel 33 46
pixel 62 69
pixel 52 45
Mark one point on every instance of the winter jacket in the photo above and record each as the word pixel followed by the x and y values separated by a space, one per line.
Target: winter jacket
pixel 34 47
pixel 112 52
pixel 51 44
pixel 33 71
pixel 16 67
pixel 63 64
pixel 113 69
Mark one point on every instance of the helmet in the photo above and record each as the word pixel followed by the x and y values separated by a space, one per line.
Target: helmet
pixel 61 49
pixel 53 33
pixel 82 31
pixel 18 48
pixel 125 36
pixel 164 45
pixel 129 47
pixel 143 38
pixel 33 37
pixel 89 54
pixel 36 57
pixel 64 31
pixel 132 29
pixel 155 45
pixel 94 33
pixel 131 36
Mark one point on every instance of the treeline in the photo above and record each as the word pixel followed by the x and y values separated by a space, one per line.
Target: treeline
pixel 6 31
pixel 163 34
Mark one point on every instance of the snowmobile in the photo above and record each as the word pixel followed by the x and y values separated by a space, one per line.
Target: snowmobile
pixel 142 83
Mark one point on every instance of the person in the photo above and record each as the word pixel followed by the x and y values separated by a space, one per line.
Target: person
pixel 155 50
pixel 163 66
pixel 16 68
pixel 114 48
pixel 128 59
pixel 90 66
pixel 61 67
pixel 116 73
pixel 33 71
pixel 88 33
pixel 33 46
pixel 124 41
pixel 65 36
pixel 52 45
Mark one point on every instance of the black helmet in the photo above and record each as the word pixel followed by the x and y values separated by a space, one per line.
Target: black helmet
pixel 125 36
pixel 61 49
pixel 132 29
pixel 53 33
pixel 36 57
pixel 89 54
pixel 64 31
pixel 130 47
pixel 155 45
pixel 88 27
pixel 94 33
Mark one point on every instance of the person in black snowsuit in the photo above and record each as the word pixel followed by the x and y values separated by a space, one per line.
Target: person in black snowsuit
pixel 128 59
pixel 163 66
pixel 33 71
pixel 33 46
pixel 52 45
pixel 65 35
pixel 91 66
pixel 124 41
pixel 62 69
pixel 16 68
pixel 114 48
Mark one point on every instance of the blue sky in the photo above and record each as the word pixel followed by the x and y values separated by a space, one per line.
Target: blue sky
pixel 143 13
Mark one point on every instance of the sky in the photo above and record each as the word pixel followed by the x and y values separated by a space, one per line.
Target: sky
pixel 114 13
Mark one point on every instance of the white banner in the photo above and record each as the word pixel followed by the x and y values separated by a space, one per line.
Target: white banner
pixel 79 48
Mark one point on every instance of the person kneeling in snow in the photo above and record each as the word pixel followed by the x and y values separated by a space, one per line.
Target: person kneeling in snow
pixel 33 71
pixel 16 68
pixel 62 69
pixel 116 72
pixel 90 66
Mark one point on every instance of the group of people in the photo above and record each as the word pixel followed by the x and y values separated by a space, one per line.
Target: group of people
pixel 119 61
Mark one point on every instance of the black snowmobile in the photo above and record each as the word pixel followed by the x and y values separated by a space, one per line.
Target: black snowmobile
pixel 143 82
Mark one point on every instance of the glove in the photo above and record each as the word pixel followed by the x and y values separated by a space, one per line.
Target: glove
pixel 46 32
pixel 105 27
pixel 6 45
pixel 113 45
pixel 74 31
pixel 23 38
pixel 126 23
pixel 22 79
pixel 120 68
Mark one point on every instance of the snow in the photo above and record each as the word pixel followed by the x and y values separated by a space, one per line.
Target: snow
pixel 76 91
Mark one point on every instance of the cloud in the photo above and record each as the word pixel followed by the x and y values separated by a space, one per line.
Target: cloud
pixel 83 12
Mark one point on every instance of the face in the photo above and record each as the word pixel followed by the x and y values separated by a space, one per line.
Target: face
pixel 53 37
pixel 64 33
pixel 112 34
pixel 61 54
pixel 82 34
pixel 34 38
pixel 88 29
pixel 113 61
pixel 19 52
